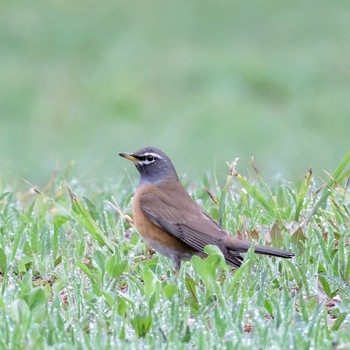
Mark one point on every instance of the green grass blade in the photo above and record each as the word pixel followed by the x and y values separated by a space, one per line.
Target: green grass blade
pixel 302 193
pixel 340 173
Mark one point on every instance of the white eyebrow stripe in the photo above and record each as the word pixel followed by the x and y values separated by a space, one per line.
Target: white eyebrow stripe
pixel 155 155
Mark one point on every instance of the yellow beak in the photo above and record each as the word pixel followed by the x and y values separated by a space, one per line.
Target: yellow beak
pixel 129 156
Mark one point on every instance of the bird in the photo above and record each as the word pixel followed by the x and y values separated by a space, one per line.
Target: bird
pixel 172 223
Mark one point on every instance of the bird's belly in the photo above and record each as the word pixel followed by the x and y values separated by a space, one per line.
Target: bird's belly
pixel 169 251
pixel 160 240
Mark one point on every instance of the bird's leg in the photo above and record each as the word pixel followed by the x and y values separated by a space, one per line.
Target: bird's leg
pixel 177 265
pixel 150 250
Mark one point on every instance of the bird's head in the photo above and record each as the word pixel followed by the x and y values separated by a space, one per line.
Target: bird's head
pixel 152 164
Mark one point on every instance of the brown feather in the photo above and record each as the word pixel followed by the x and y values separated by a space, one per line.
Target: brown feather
pixel 182 218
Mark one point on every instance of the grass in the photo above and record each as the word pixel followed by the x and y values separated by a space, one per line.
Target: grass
pixel 75 274
pixel 214 80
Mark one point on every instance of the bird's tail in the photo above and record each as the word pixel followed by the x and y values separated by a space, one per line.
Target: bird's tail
pixel 260 249
pixel 237 246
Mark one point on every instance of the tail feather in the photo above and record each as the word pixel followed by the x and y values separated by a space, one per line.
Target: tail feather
pixel 237 246
pixel 260 249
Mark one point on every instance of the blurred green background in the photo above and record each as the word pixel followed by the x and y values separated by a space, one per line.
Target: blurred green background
pixel 206 81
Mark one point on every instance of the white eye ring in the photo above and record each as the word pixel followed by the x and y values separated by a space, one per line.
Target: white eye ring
pixel 148 158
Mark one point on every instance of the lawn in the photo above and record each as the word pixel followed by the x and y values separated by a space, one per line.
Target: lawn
pixel 205 81
pixel 76 275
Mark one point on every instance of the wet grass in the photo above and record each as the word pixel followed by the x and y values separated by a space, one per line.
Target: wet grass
pixel 75 274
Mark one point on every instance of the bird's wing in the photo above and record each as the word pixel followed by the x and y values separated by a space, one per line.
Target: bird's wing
pixel 188 223
pixel 183 218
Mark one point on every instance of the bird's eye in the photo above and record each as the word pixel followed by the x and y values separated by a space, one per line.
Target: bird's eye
pixel 150 158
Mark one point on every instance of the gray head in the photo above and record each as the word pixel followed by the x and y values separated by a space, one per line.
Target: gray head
pixel 152 164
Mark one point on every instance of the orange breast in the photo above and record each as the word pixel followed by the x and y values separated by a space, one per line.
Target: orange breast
pixel 157 238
